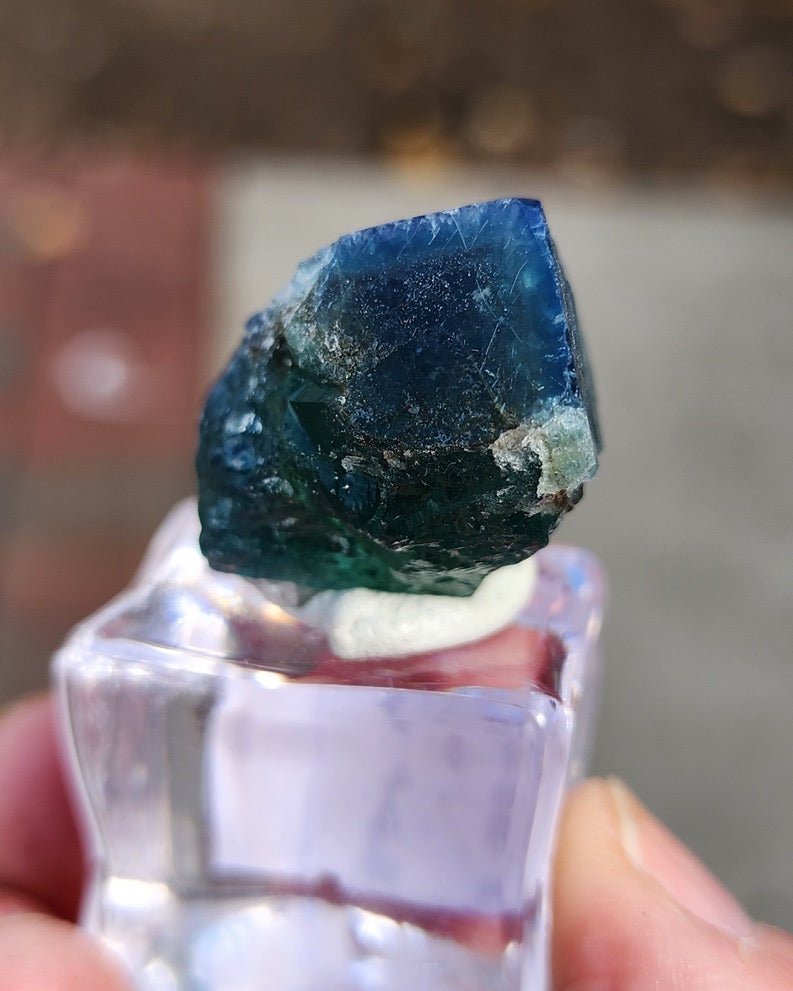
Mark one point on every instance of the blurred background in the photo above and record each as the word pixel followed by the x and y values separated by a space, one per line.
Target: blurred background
pixel 165 163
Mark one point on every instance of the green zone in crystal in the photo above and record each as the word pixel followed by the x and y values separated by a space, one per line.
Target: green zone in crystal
pixel 412 411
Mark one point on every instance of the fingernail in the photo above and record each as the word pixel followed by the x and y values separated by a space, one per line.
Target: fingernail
pixel 654 850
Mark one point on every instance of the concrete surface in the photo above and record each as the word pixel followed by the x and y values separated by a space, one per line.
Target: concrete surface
pixel 687 304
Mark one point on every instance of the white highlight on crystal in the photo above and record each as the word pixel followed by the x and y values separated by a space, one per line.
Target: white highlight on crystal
pixel 361 622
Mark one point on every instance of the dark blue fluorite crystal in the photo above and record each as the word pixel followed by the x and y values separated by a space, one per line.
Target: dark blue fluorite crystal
pixel 412 411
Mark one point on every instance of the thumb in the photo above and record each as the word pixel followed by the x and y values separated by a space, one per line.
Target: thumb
pixel 636 911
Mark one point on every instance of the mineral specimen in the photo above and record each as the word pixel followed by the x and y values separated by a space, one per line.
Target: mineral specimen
pixel 411 412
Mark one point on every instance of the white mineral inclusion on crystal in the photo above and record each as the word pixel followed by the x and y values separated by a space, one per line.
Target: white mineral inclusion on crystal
pixel 361 622
pixel 562 442
pixel 565 448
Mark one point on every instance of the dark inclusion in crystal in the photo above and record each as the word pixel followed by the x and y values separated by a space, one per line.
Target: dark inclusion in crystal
pixel 412 411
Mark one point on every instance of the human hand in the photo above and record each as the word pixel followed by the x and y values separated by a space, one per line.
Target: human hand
pixel 634 910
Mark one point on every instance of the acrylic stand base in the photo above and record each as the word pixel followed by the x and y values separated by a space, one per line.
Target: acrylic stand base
pixel 257 823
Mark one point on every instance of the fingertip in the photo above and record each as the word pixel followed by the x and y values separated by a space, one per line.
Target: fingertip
pixel 39 953
pixel 594 893
pixel 660 854
pixel 775 942
pixel 620 906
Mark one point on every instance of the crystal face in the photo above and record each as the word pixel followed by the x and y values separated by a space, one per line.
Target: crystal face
pixel 264 816
pixel 411 412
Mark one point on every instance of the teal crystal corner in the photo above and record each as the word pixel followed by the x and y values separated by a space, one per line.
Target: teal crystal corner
pixel 412 411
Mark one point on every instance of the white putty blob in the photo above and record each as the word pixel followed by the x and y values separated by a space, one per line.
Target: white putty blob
pixel 362 622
